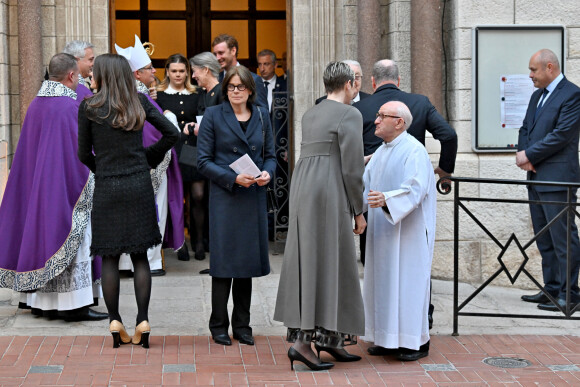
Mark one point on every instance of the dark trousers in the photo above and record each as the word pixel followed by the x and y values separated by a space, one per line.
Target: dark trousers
pixel 219 321
pixel 552 244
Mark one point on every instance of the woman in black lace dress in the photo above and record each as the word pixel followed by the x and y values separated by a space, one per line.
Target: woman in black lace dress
pixel 124 217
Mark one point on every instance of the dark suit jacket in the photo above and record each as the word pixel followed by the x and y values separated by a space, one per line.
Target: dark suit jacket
pixel 425 117
pixel 362 94
pixel 280 86
pixel 551 141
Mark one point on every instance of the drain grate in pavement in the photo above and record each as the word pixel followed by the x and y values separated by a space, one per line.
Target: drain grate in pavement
pixel 56 369
pixel 563 367
pixel 507 362
pixel 438 367
pixel 167 368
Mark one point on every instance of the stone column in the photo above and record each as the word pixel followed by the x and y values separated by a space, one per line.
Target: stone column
pixel 426 52
pixel 313 46
pixel 30 71
pixel 369 34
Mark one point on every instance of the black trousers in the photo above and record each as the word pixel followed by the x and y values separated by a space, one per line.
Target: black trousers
pixel 219 321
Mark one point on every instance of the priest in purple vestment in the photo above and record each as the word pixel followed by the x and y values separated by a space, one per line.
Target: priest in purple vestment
pixel 166 178
pixel 45 224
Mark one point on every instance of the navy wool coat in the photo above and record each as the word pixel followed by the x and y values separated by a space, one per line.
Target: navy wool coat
pixel 238 221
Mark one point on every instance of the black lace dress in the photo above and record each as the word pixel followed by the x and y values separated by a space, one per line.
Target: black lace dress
pixel 124 216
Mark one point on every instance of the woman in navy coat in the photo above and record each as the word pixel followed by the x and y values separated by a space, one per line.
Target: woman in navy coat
pixel 238 219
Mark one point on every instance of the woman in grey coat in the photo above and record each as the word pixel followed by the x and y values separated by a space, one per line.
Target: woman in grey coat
pixel 238 221
pixel 319 296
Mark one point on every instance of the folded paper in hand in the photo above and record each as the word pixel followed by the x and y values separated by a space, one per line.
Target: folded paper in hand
pixel 245 165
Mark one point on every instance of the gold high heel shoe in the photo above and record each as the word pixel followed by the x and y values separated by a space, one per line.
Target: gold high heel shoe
pixel 141 336
pixel 120 335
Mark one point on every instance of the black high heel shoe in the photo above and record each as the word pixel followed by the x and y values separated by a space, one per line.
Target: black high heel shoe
pixel 338 356
pixel 295 355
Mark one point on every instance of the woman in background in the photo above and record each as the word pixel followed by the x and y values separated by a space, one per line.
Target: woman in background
pixel 205 70
pixel 123 218
pixel 177 95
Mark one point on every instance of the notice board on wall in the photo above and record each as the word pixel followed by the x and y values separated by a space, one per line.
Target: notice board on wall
pixel 501 88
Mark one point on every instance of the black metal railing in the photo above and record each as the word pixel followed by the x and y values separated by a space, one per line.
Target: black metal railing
pixel 569 210
pixel 281 179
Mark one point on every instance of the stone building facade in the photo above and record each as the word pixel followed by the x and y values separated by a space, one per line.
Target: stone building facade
pixel 408 31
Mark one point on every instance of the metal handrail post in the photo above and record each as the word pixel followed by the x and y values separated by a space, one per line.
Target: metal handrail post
pixel 455 258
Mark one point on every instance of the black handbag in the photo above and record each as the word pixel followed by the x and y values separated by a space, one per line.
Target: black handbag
pixel 271 201
pixel 188 155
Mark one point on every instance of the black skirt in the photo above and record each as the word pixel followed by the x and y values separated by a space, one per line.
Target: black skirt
pixel 124 215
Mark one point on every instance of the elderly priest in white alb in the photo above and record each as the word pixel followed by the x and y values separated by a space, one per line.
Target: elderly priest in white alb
pixel 401 200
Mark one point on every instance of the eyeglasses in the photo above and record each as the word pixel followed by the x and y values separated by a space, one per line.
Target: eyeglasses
pixel 383 116
pixel 147 68
pixel 240 87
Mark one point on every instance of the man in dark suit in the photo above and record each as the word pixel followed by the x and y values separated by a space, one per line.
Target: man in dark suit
pixel 276 87
pixel 270 81
pixel 355 66
pixel 548 151
pixel 225 48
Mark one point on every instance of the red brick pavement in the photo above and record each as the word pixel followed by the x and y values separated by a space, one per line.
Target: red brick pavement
pixel 189 360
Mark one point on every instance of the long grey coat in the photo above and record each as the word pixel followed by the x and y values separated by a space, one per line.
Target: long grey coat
pixel 238 219
pixel 319 283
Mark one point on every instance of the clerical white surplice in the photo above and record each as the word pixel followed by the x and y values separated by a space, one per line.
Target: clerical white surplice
pixel 400 243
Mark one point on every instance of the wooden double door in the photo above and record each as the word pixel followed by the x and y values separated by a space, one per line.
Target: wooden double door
pixel 188 26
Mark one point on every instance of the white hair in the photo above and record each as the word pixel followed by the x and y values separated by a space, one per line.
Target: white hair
pixel 77 48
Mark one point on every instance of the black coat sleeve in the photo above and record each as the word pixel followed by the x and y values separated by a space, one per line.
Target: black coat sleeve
pixel 85 141
pixel 445 134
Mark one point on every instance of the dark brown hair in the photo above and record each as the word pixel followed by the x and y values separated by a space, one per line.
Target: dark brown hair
pixel 246 78
pixel 117 93
pixel 229 39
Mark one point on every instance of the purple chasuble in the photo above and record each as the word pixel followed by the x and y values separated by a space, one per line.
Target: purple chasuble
pixel 174 236
pixel 82 93
pixel 48 199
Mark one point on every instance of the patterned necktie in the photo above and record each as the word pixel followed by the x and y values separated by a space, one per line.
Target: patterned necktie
pixel 541 104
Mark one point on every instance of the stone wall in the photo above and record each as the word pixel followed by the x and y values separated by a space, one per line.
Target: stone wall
pixel 478 253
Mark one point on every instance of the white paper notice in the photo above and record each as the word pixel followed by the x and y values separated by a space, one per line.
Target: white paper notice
pixel 198 119
pixel 515 93
pixel 245 165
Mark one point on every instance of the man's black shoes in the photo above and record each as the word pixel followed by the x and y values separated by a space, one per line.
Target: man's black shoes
pixel 382 351
pixel 551 307
pixel 83 314
pixel 411 355
pixel 539 298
